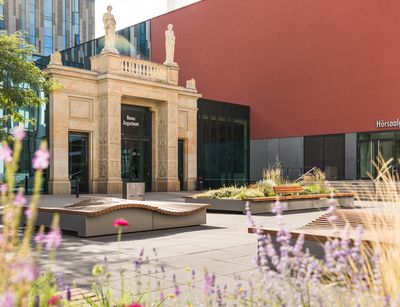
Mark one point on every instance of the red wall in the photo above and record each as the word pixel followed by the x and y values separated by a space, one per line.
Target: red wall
pixel 305 67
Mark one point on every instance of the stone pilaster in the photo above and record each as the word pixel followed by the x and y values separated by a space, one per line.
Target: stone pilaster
pixel 59 183
pixel 109 180
pixel 167 179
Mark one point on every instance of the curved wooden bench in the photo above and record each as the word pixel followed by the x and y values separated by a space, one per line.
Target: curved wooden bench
pixel 94 216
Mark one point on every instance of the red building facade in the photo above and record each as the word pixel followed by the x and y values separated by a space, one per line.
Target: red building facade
pixel 305 68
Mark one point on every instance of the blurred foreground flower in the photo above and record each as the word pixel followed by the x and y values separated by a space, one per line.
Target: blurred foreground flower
pixel 41 158
pixel 19 132
pixel 120 223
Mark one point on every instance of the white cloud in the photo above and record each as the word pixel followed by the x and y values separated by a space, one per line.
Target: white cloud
pixel 129 12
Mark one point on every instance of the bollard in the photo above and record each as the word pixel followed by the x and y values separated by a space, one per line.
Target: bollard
pixel 77 186
pixel 26 184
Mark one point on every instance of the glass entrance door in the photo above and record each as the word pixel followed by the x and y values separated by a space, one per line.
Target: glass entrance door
pixel 136 162
pixel 376 151
pixel 78 161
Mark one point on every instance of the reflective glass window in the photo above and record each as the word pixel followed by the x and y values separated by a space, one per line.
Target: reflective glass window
pixel 223 144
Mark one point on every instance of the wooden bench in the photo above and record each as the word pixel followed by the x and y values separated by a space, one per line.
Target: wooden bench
pixel 378 227
pixel 288 189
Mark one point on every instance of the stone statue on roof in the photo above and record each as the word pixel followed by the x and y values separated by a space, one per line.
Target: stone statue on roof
pixel 109 28
pixel 169 46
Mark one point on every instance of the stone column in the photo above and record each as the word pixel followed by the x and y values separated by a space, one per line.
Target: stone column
pixel 109 180
pixel 167 179
pixel 192 151
pixel 59 183
pixel 109 99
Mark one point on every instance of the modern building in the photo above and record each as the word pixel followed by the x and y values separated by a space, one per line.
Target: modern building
pixel 309 85
pixel 321 78
pixel 50 24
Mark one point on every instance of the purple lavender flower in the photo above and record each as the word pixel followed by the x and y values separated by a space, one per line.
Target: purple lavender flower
pixel 7 299
pixel 278 208
pixel 5 153
pixel 53 239
pixel 24 272
pixel 209 282
pixel 177 291
pixel 19 132
pixel 68 294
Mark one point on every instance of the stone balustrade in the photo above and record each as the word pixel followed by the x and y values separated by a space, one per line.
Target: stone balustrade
pixel 144 69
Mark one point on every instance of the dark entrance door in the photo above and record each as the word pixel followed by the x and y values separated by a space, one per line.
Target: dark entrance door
pixel 180 163
pixel 136 162
pixel 78 161
pixel 136 151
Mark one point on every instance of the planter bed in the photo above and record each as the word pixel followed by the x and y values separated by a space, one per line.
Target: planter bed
pixel 266 204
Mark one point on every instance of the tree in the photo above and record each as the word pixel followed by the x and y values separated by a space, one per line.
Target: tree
pixel 22 84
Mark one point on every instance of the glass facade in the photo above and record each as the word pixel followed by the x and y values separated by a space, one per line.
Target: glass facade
pixel 1 17
pixel 222 144
pixel 51 24
pixel 133 41
pixel 34 135
pixel 48 27
pixel 327 152
pixel 376 147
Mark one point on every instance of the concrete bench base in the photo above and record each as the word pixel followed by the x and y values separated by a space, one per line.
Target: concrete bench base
pixel 97 217
pixel 266 205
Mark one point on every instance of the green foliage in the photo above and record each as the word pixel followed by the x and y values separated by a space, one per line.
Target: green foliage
pixel 43 289
pixel 266 186
pixel 249 193
pixel 316 189
pixel 22 84
pixel 225 192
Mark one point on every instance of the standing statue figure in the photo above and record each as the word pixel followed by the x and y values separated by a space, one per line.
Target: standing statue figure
pixel 169 46
pixel 109 27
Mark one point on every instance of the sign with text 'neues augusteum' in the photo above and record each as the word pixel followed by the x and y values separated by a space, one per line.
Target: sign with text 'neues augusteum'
pixel 134 122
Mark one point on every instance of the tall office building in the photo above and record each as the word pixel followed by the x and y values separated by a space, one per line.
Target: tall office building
pixel 50 24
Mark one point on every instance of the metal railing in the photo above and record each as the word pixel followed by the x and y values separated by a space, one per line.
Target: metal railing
pixel 305 174
pixel 77 181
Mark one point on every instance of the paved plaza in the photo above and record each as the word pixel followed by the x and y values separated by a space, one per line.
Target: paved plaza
pixel 223 246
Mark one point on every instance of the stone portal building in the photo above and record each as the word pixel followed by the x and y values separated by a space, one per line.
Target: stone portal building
pixel 124 119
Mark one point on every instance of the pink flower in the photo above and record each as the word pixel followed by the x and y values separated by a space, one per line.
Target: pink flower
pixel 19 132
pixel 28 213
pixel 135 305
pixel 7 299
pixel 54 300
pixel 20 199
pixel 3 188
pixel 5 153
pixel 53 239
pixel 39 238
pixel 41 159
pixel 120 223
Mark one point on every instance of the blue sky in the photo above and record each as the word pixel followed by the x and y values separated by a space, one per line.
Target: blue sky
pixel 129 12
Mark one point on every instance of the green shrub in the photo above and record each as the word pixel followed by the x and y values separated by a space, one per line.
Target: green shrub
pixel 266 186
pixel 225 192
pixel 316 189
pixel 249 193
